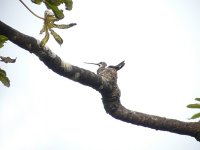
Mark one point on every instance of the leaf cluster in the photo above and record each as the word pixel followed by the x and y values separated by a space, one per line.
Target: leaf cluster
pixel 54 6
pixel 49 23
pixel 3 77
pixel 50 18
pixel 196 106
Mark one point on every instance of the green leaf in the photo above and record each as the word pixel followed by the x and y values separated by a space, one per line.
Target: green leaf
pixel 55 2
pixel 43 29
pixel 57 12
pixel 64 26
pixel 193 106
pixel 53 5
pixel 4 79
pixel 45 39
pixel 197 115
pixel 37 1
pixel 68 4
pixel 197 99
pixel 56 37
pixel 3 39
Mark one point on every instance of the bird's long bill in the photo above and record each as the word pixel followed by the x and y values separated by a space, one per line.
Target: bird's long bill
pixel 91 63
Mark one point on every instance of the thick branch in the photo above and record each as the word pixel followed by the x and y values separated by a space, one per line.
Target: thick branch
pixel 105 83
pixel 154 122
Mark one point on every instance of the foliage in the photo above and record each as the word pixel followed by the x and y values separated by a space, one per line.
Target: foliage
pixel 3 39
pixel 197 106
pixel 53 5
pixel 3 78
pixel 49 20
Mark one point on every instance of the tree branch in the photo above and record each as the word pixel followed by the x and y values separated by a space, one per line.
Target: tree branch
pixel 53 61
pixel 105 83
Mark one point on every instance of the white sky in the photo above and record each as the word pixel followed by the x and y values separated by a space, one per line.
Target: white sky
pixel 158 39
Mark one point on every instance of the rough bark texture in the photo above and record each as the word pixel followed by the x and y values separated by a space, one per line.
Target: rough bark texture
pixel 105 82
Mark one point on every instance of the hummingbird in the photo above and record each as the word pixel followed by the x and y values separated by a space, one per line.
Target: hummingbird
pixel 102 66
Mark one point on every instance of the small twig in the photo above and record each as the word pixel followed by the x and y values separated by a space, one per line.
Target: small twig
pixel 31 10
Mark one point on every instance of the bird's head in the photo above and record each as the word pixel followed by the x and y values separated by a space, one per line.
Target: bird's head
pixel 101 64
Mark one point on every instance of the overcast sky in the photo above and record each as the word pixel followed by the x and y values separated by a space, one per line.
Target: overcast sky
pixel 159 41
